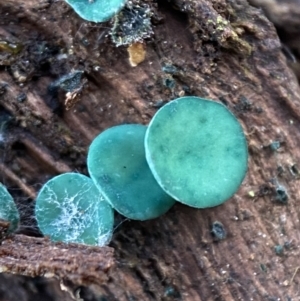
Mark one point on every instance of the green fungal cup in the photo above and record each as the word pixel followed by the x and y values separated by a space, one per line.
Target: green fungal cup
pixel 117 164
pixel 70 208
pixel 197 151
pixel 96 10
pixel 8 209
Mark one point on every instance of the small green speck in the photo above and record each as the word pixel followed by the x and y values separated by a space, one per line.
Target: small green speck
pixel 278 250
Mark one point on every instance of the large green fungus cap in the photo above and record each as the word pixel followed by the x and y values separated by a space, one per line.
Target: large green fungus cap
pixel 96 10
pixel 197 151
pixel 117 164
pixel 8 209
pixel 70 208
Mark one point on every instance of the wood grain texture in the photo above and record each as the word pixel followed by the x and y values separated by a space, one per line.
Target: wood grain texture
pixel 32 256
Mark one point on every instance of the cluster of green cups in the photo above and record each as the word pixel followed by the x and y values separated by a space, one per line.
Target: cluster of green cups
pixel 193 151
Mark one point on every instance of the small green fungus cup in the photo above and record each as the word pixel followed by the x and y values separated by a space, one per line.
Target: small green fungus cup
pixel 197 151
pixel 70 208
pixel 117 164
pixel 8 209
pixel 96 10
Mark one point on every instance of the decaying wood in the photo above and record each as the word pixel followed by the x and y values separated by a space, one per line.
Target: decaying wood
pixel 32 256
pixel 4 225
pixel 286 16
pixel 223 50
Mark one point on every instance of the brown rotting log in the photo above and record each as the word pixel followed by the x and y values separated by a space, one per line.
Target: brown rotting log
pixel 223 50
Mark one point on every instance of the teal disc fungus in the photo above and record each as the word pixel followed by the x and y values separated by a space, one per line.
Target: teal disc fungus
pixel 117 164
pixel 70 208
pixel 197 151
pixel 96 10
pixel 8 209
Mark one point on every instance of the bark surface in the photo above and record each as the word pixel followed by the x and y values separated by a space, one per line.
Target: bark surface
pixel 222 50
